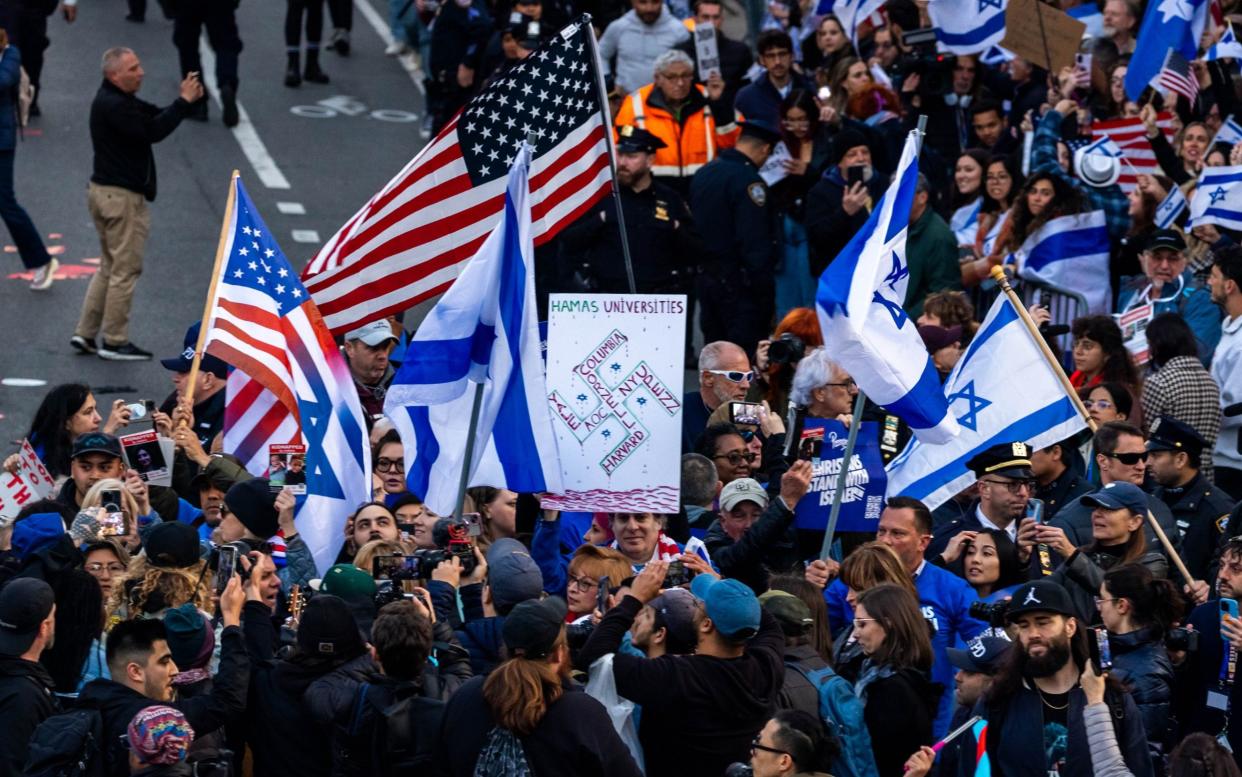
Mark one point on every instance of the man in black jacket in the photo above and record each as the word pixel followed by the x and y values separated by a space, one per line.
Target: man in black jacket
pixel 735 58
pixel 753 536
pixel 142 670
pixel 122 131
pixel 841 202
pixel 27 625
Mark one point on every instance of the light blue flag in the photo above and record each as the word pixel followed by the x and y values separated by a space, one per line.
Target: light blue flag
pixel 1089 14
pixel 1168 24
pixel 1230 131
pixel 968 26
pixel 1071 252
pixel 866 330
pixel 1218 198
pixel 1002 390
pixel 1228 47
pixel 483 330
pixel 1170 208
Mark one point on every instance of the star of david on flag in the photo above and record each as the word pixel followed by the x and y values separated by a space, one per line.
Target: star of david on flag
pixel 1218 198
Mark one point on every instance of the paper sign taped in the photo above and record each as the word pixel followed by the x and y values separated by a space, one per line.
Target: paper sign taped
pixel 706 51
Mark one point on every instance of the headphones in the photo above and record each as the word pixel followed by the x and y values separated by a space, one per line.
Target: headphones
pixel 952 99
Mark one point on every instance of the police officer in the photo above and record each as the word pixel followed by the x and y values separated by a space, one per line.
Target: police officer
pixel 1174 452
pixel 458 34
pixel 218 17
pixel 734 285
pixel 657 222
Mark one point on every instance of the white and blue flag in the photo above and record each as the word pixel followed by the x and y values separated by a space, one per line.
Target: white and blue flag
pixel 968 26
pixel 1070 252
pixel 1089 14
pixel 1170 208
pixel 1218 198
pixel 1168 24
pixel 1103 145
pixel 484 330
pixel 1230 131
pixel 1228 47
pixel 853 13
pixel 965 222
pixel 859 301
pixel 1002 390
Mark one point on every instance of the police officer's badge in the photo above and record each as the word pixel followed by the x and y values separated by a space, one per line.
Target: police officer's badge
pixel 758 193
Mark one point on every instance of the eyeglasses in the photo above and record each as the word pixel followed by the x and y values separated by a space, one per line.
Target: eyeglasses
pixel 1013 486
pixel 734 376
pixel 859 621
pixel 1129 459
pixel 848 384
pixel 583 583
pixel 736 458
pixel 390 465
pixel 1102 404
pixel 677 76
pixel 115 568
pixel 1099 601
pixel 754 745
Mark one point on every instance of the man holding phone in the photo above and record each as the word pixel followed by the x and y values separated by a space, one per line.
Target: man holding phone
pixel 840 203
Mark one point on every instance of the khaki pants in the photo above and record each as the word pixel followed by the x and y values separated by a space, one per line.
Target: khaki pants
pixel 123 222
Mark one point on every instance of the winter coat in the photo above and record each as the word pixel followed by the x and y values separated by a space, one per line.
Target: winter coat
pixel 1141 663
pixel 26 700
pixel 769 545
pixel 899 711
pixel 1083 572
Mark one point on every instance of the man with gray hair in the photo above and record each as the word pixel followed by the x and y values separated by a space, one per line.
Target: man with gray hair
pixel 699 487
pixel 724 376
pixel 630 45
pixel 123 128
pixel 931 253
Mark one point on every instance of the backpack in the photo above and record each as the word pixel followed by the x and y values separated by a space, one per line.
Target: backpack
pixel 842 713
pixel 403 738
pixel 502 756
pixel 67 745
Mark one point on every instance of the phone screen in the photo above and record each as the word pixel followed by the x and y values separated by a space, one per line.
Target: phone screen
pixel 744 412
pixel 1102 653
pixel 226 566
pixel 854 174
pixel 110 498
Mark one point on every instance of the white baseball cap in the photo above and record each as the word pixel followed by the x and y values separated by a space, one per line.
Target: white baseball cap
pixel 373 333
pixel 743 490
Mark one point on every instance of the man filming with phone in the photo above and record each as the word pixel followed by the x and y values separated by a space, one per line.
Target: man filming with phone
pixel 840 203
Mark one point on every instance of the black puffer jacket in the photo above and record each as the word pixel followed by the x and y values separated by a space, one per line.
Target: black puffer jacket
pixel 1082 573
pixel 1141 663
pixel 769 545
pixel 26 700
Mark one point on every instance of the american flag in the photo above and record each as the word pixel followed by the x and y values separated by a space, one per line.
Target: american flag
pixel 264 323
pixel 1177 76
pixel 411 240
pixel 1136 153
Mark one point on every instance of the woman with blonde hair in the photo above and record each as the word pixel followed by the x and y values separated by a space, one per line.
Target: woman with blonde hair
pixel 92 521
pixel 367 553
pixel 168 573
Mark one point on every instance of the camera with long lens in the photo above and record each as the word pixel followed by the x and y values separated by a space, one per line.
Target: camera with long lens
pixel 786 349
pixel 1185 640
pixel 992 613
pixel 738 769
pixel 934 68
pixel 453 536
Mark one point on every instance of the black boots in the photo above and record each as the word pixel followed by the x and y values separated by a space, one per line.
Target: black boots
pixel 312 73
pixel 293 72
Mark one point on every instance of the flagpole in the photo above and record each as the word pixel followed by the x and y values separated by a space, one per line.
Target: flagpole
pixel 1003 281
pixel 192 380
pixel 475 407
pixel 855 421
pixel 602 97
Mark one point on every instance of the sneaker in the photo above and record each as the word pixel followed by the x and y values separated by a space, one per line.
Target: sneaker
pixel 340 41
pixel 44 276
pixel 228 97
pixel 83 346
pixel 127 352
pixel 397 48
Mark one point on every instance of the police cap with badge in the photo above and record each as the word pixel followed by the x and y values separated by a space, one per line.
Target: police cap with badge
pixel 631 139
pixel 1170 434
pixel 1006 460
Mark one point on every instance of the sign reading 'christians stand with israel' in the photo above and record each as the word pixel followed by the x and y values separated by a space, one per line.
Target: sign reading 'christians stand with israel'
pixel 615 374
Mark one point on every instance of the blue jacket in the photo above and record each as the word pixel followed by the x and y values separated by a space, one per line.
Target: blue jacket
pixel 945 601
pixel 10 76
pixel 1192 302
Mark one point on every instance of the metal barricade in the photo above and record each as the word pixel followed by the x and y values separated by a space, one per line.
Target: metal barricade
pixel 1064 305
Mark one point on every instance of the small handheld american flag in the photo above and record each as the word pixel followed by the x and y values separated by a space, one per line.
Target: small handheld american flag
pixel 1176 76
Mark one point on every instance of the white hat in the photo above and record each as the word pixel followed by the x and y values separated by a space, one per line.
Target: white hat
pixel 373 333
pixel 743 490
pixel 1094 169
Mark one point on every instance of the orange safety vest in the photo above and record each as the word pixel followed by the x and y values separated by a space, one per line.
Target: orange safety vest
pixel 690 145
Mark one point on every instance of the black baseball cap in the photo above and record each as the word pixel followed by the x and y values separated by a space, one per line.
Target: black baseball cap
pixel 96 442
pixel 1165 238
pixel 24 604
pixel 182 361
pixel 981 654
pixel 1040 596
pixel 172 544
pixel 531 628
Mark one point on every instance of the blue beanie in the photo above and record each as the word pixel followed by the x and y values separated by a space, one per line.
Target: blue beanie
pixel 36 532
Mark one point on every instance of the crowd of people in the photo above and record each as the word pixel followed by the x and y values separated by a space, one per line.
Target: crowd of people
pixel 1074 611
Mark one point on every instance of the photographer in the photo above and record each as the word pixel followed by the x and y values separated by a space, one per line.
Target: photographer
pixel 793 743
pixel 777 358
pixel 753 535
pixel 253 514
pixel 839 205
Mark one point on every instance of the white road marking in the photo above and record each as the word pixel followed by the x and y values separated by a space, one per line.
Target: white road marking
pixel 247 136
pixel 305 236
pixel 291 208
pixel 23 382
pixel 380 25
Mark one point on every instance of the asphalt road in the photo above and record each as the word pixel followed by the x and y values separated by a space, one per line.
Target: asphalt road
pixel 323 161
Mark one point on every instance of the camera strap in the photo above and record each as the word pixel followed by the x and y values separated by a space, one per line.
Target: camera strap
pixel 1220 697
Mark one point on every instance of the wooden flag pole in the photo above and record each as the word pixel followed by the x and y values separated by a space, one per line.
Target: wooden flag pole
pixel 1003 281
pixel 192 380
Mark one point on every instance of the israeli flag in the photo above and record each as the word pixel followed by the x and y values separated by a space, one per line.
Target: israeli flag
pixel 1104 145
pixel 965 222
pixel 869 334
pixel 1230 132
pixel 1168 24
pixel 1228 47
pixel 1002 390
pixel 1070 252
pixel 1089 14
pixel 853 13
pixel 1170 208
pixel 1218 198
pixel 968 26
pixel 484 330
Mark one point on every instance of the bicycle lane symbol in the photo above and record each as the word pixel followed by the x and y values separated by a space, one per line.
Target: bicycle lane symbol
pixel 347 106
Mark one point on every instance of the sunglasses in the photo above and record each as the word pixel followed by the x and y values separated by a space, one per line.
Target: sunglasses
pixel 734 376
pixel 1129 459
pixel 755 745
pixel 736 458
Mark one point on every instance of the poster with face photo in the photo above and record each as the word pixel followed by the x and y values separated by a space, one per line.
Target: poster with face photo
pixel 143 453
pixel 287 468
